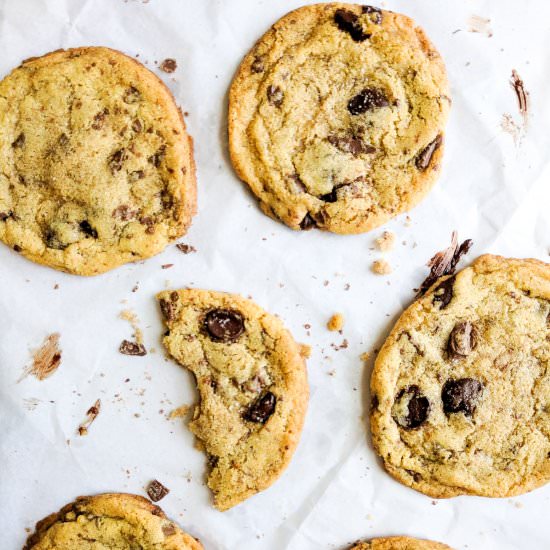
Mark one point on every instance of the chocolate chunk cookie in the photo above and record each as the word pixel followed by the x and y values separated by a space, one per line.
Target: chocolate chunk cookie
pixel 461 387
pixel 337 116
pixel 252 382
pixel 399 543
pixel 110 521
pixel 97 167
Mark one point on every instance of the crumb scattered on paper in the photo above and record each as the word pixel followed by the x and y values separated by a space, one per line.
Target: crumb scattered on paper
pixel 132 318
pixel 381 267
pixel 31 403
pixel 46 359
pixel 305 351
pixel 364 356
pixel 180 412
pixel 336 322
pixel 521 93
pixel 386 242
pixel 480 25
pixel 169 65
pixel 511 125
pixel 186 248
pixel 167 266
pixel 132 348
pixel 92 413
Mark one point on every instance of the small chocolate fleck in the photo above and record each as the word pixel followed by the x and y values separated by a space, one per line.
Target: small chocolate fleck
pixel 87 229
pixel 375 14
pixel 169 65
pixel 149 223
pixel 423 158
pixel 99 119
pixel 17 248
pixel 224 325
pixel 132 348
pixel 461 395
pixel 131 95
pixel 462 340
pixel 418 408
pixel 137 126
pixel 257 65
pixel 308 223
pixel 158 157
pixel 347 21
pixel 262 409
pixel 124 213
pixel 63 140
pixel 117 159
pixel 136 175
pixel 351 144
pixel 185 248
pixel 367 100
pixel 169 529
pixel 5 215
pixel 275 95
pixel 19 141
pixel 156 490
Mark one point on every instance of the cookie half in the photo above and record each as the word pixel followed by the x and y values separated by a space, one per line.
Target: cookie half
pixel 252 380
pixel 114 520
pixel 399 543
pixel 97 167
pixel 337 115
pixel 461 388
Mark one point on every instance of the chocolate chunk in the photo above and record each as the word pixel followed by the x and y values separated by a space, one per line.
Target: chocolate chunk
pixel 5 215
pixel 375 14
pixel 124 213
pixel 423 158
pixel 275 95
pixel 169 307
pixel 19 141
pixel 347 21
pixel 158 157
pixel 462 340
pixel 17 248
pixel 87 229
pixel 117 159
pixel 99 119
pixel 351 144
pixel 461 395
pixel 444 292
pixel 374 402
pixel 149 223
pixel 137 126
pixel 156 490
pixel 185 248
pixel 132 348
pixel 257 65
pixel 261 409
pixel 131 95
pixel 308 223
pixel 224 325
pixel 169 529
pixel 367 100
pixel 416 408
pixel 168 65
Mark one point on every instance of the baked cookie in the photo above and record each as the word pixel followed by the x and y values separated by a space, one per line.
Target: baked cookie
pixel 336 117
pixel 109 521
pixel 252 381
pixel 97 168
pixel 461 388
pixel 399 543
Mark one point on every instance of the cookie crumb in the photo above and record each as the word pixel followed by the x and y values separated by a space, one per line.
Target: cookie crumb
pixel 46 359
pixel 336 322
pixel 186 248
pixel 305 351
pixel 365 356
pixel 381 267
pixel 169 65
pixel 132 318
pixel 386 242
pixel 156 490
pixel 180 412
pixel 92 413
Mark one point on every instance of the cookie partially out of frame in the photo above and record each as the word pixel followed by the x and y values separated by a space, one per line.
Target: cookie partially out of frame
pixel 399 543
pixel 97 167
pixel 337 116
pixel 252 381
pixel 109 521
pixel 461 387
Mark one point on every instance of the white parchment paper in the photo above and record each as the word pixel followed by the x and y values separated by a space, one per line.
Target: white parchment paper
pixel 335 490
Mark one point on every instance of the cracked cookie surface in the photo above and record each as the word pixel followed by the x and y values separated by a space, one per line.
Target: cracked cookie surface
pixel 399 543
pixel 109 521
pixel 252 381
pixel 97 167
pixel 336 117
pixel 461 388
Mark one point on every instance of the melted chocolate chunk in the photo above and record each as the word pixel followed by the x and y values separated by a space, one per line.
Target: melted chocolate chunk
pixel 158 157
pixel 132 348
pixel 423 158
pixel 261 409
pixel 375 14
pixel 257 65
pixel 351 144
pixel 169 307
pixel 367 100
pixel 308 223
pixel 461 395
pixel 87 229
pixel 462 340
pixel 156 490
pixel 275 95
pixel 99 119
pixel 131 95
pixel 444 292
pixel 19 142
pixel 418 408
pixel 347 21
pixel 5 215
pixel 224 325
pixel 117 160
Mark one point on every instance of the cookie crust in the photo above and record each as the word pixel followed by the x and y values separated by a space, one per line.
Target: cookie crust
pixel 114 520
pixel 460 389
pixel 316 152
pixel 252 381
pixel 98 168
pixel 399 543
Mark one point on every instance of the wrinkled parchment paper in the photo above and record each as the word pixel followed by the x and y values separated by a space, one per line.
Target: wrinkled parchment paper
pixel 494 190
